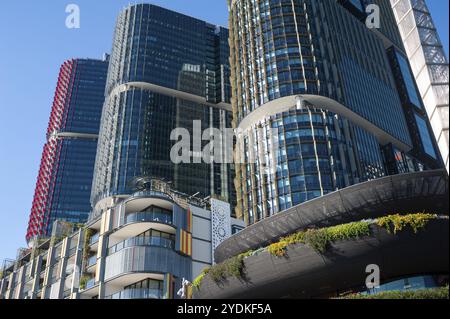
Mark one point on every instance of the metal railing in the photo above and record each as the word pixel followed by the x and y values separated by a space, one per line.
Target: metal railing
pixel 138 294
pixel 94 239
pixel 92 261
pixel 158 217
pixel 142 241
pixel 90 283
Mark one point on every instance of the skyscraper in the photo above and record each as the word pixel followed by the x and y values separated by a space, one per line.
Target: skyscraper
pixel 65 175
pixel 166 71
pixel 429 64
pixel 334 137
pixel 324 101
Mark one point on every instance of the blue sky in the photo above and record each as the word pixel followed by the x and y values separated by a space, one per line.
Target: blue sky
pixel 34 43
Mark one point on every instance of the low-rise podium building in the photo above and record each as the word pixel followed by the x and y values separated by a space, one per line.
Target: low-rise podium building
pixel 142 248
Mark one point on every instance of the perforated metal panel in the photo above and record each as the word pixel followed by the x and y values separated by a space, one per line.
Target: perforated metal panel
pixel 220 222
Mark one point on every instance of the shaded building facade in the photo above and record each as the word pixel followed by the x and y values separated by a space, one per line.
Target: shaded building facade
pixel 67 165
pixel 166 71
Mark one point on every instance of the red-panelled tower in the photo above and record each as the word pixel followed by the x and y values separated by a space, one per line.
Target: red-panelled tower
pixel 38 218
pixel 72 130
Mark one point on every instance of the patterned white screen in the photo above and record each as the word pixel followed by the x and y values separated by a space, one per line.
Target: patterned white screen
pixel 220 222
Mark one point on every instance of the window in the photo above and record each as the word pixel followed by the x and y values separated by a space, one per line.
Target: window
pixel 409 81
pixel 427 142
pixel 358 5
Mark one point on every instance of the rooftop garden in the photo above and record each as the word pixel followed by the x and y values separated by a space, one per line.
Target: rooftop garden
pixel 318 239
pixel 433 293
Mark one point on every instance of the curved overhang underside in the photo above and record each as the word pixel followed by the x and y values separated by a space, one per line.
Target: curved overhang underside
pixel 407 193
pixel 285 104
pixel 305 273
pixel 73 135
pixel 169 92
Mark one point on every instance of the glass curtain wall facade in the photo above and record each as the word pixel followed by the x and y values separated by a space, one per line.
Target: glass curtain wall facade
pixel 316 95
pixel 167 70
pixel 65 177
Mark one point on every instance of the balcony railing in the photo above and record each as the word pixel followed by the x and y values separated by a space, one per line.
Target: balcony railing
pixel 142 241
pixel 27 294
pixel 92 261
pixel 94 239
pixel 72 251
pixel 157 217
pixel 138 294
pixel 90 283
pixel 67 294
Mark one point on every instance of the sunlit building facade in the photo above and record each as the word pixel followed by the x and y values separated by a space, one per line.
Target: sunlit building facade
pixel 319 97
pixel 67 166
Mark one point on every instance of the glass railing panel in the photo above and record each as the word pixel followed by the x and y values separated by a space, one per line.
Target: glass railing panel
pixel 72 251
pixel 138 294
pixel 94 239
pixel 157 217
pixel 90 283
pixel 143 241
pixel 92 261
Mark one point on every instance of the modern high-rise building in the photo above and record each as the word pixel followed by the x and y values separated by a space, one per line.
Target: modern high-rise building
pixel 65 176
pixel 429 64
pixel 324 101
pixel 166 71
pixel 334 138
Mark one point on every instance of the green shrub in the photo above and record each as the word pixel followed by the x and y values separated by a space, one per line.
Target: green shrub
pixel 83 282
pixel 197 281
pixel 317 239
pixel 295 238
pixel 235 266
pixel 278 249
pixel 434 293
pixel 232 267
pixel 348 231
pixel 218 272
pixel 248 253
pixel 399 222
pixel 88 233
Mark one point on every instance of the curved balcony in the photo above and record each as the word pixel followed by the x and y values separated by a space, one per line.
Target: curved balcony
pixel 135 223
pixel 124 265
pixel 142 241
pixel 150 194
pixel 137 294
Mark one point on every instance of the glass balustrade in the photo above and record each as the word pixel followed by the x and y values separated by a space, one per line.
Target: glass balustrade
pixel 137 294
